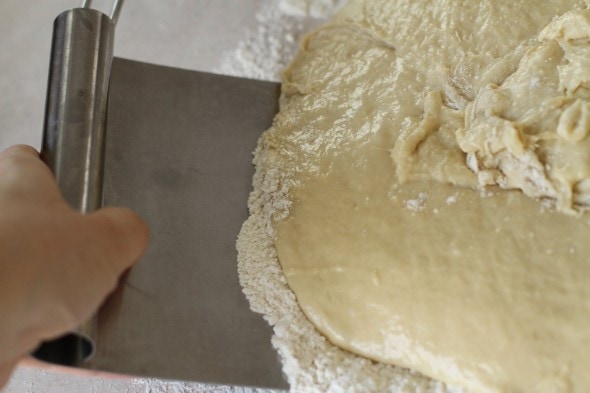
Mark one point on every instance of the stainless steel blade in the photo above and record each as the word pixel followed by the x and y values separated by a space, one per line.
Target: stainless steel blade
pixel 178 151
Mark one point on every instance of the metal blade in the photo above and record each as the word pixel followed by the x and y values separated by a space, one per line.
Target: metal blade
pixel 178 151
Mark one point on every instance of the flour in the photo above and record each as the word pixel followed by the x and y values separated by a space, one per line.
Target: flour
pixel 267 49
pixel 313 8
pixel 417 204
pixel 452 200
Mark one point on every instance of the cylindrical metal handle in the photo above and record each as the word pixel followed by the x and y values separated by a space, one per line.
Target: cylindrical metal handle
pixel 74 133
pixel 75 116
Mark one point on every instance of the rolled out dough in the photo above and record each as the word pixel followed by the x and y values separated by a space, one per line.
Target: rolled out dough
pixel 433 165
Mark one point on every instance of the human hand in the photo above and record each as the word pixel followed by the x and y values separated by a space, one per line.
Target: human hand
pixel 56 264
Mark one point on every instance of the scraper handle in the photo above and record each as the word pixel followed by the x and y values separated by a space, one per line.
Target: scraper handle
pixel 74 135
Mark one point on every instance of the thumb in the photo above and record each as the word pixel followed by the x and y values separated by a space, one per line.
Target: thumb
pixel 122 234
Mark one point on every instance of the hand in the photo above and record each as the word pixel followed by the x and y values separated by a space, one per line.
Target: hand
pixel 56 265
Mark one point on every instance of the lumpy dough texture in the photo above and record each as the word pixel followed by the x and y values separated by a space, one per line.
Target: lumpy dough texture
pixel 521 117
pixel 530 131
pixel 417 139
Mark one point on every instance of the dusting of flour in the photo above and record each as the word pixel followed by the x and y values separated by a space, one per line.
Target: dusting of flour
pixel 310 362
pixel 267 49
pixel 313 8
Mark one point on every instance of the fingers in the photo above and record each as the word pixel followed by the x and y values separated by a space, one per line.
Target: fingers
pixel 101 246
pixel 114 238
pixel 119 231
pixel 23 176
pixel 18 155
pixel 123 234
pixel 21 150
pixel 65 263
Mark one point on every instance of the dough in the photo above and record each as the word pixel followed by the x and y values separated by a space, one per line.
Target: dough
pixel 437 162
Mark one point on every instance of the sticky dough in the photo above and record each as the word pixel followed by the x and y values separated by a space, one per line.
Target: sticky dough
pixel 438 164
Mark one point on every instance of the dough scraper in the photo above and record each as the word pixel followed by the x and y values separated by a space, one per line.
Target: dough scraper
pixel 175 146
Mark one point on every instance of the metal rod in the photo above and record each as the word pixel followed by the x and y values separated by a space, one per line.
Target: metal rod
pixel 115 10
pixel 117 5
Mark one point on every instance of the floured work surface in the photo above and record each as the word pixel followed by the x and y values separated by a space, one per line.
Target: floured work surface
pixel 425 188
pixel 179 153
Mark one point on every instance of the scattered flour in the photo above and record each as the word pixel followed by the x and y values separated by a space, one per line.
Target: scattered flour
pixel 417 204
pixel 33 379
pixel 310 362
pixel 267 49
pixel 313 8
pixel 452 200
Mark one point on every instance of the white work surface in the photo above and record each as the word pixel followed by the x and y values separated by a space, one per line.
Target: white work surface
pixel 192 34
